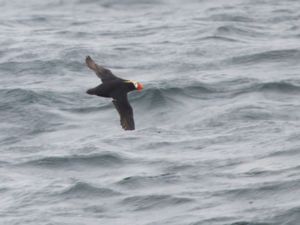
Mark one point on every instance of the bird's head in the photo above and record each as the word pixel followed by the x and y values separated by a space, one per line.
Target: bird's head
pixel 137 86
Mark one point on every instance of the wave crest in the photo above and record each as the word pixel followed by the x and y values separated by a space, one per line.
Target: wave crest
pixel 275 56
pixel 154 201
pixel 82 189
pixel 102 160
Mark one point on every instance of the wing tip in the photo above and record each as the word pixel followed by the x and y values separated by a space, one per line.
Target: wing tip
pixel 90 63
pixel 127 123
pixel 128 128
pixel 88 59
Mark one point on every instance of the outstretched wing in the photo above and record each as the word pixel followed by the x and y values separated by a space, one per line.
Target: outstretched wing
pixel 125 111
pixel 103 73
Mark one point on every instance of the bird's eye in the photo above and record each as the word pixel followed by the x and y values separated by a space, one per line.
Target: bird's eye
pixel 135 84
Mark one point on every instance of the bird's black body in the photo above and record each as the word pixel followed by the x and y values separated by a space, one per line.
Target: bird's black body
pixel 112 89
pixel 116 88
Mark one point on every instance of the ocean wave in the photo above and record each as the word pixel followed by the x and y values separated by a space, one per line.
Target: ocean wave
pixel 83 190
pixel 4 189
pixel 164 91
pixel 254 86
pixel 221 221
pixel 16 98
pixel 38 67
pixel 251 223
pixel 272 56
pixel 282 87
pixel 20 96
pixel 215 38
pixel 258 191
pixel 25 114
pixel 116 3
pixel 87 109
pixel 107 159
pixel 146 181
pixel 163 95
pixel 147 202
pixel 230 17
pixel 288 217
pixel 3 163
pixel 237 31
pixel 250 112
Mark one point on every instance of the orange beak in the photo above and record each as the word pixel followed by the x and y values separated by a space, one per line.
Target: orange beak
pixel 140 87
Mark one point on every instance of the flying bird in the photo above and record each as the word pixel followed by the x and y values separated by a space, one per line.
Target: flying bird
pixel 117 89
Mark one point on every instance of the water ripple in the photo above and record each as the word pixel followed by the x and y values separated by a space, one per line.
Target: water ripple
pixel 96 160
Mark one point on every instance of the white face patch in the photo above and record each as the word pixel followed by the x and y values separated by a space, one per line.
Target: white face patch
pixel 135 84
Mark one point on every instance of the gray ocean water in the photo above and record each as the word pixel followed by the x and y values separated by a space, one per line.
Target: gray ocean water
pixel 217 139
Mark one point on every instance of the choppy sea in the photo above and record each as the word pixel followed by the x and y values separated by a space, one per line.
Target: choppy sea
pixel 217 139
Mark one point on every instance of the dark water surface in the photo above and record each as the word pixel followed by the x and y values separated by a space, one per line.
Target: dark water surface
pixel 218 124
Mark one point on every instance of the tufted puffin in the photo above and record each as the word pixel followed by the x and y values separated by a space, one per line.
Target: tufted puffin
pixel 117 89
